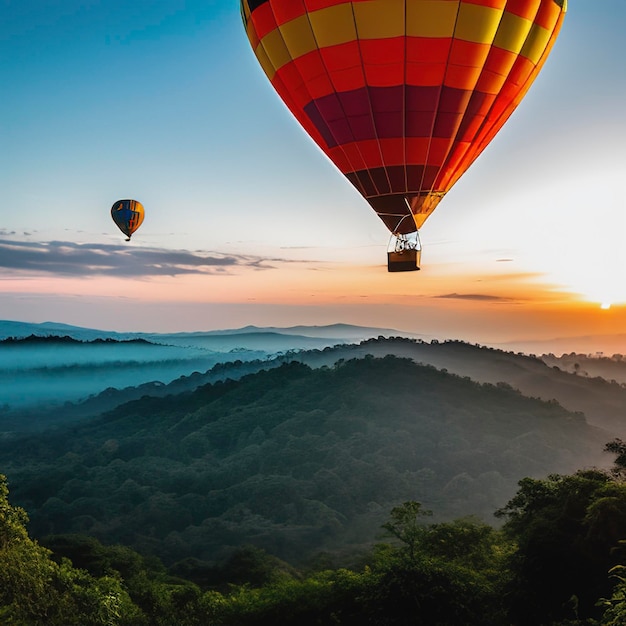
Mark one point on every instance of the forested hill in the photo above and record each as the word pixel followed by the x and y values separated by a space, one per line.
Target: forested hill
pixel 292 459
pixel 595 386
pixel 575 381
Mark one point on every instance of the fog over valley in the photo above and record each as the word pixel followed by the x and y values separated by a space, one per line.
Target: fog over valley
pixel 55 363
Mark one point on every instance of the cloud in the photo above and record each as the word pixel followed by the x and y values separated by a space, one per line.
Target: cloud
pixel 74 259
pixel 481 297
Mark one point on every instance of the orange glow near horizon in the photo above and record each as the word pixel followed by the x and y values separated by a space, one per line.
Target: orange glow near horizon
pixel 438 302
pixel 298 284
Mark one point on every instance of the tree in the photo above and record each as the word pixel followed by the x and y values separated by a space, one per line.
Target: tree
pixel 566 529
pixel 618 447
pixel 405 525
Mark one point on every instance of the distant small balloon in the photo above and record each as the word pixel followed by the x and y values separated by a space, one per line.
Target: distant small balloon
pixel 128 215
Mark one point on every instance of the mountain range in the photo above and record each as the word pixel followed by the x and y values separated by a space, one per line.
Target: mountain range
pixel 341 333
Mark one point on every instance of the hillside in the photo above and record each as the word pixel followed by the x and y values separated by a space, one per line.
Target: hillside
pixel 594 386
pixel 292 459
pixel 603 401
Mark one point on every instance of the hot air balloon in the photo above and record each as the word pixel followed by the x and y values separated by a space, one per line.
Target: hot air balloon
pixel 128 215
pixel 402 95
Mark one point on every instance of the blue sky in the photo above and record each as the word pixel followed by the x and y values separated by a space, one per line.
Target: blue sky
pixel 164 102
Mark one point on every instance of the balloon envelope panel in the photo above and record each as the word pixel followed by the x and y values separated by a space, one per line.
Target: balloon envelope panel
pixel 402 95
pixel 128 215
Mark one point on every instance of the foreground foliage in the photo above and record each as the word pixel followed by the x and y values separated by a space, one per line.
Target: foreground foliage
pixel 558 561
pixel 34 589
pixel 446 574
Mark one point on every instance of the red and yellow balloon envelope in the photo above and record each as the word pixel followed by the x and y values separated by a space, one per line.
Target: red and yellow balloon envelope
pixel 128 215
pixel 402 95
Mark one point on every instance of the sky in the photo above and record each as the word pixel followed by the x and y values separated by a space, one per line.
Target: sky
pixel 248 223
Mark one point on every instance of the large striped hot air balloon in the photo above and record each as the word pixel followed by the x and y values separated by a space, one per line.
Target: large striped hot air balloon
pixel 402 95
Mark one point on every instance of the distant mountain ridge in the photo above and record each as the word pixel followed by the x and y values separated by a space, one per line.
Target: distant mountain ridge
pixel 595 345
pixel 339 331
